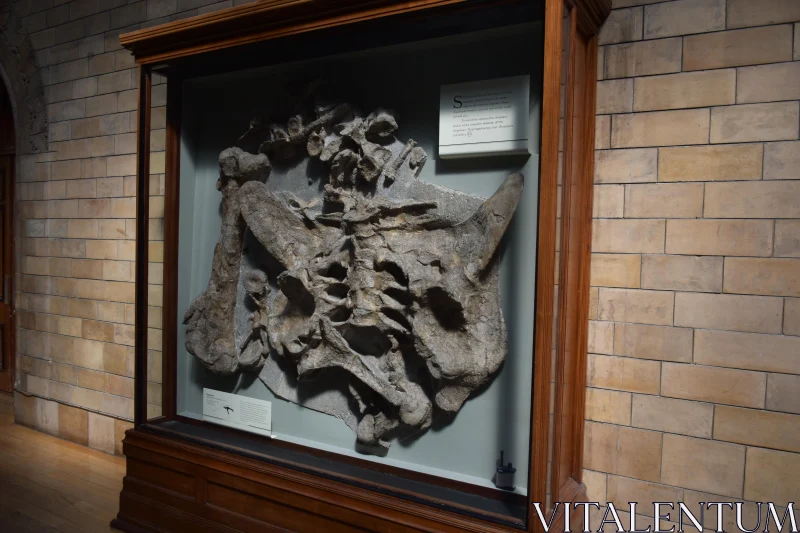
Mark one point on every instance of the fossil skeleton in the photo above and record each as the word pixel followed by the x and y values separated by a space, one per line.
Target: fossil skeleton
pixel 380 295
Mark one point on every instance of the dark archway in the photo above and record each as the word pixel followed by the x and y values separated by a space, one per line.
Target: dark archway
pixel 7 156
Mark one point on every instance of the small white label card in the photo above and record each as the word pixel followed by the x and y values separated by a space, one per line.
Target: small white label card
pixel 240 412
pixel 482 118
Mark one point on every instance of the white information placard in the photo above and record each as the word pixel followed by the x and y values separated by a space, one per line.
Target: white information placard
pixel 240 412
pixel 482 118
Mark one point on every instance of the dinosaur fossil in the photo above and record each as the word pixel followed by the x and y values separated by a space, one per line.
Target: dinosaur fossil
pixel 380 295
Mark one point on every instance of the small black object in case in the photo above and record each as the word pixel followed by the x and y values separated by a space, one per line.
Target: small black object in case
pixel 504 478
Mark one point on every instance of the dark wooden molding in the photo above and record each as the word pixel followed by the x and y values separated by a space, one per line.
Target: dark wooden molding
pixel 592 14
pixel 142 244
pixel 259 21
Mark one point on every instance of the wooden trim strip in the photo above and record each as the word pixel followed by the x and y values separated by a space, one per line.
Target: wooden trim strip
pixel 172 182
pixel 545 269
pixel 142 243
pixel 584 260
pixel 259 21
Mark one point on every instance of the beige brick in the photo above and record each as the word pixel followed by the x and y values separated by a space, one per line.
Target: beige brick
pixel 682 273
pixel 601 337
pixel 602 132
pixel 631 305
pixel 114 358
pixel 122 271
pixel 771 476
pixel 121 165
pixel 100 331
pixel 782 161
pixel 121 292
pixel 639 454
pixel 755 122
pixel 101 105
pixel 664 200
pixel 791 324
pixel 751 351
pixel 628 236
pixel 82 229
pixel 660 128
pixel 81 188
pixel 111 229
pixel 101 432
pixel 609 406
pixel 622 25
pixel 683 17
pixel 85 127
pixel 93 168
pixel 622 373
pixel 595 485
pixel 796 53
pixel 616 270
pixel 735 48
pixel 600 447
pixel 750 511
pixel 87 268
pixel 593 297
pixel 755 314
pixel 710 163
pixel 622 490
pixel 672 416
pixel 690 89
pixel 614 96
pixel 653 342
pixel 742 13
pixel 711 384
pixel 73 424
pixel 773 199
pixel 703 465
pixel 783 393
pixel 608 201
pixel 101 249
pixel 91 379
pixel 768 83
pixel 123 207
pixel 646 58
pixel 720 237
pixel 757 428
pixel 626 166
pixel 770 277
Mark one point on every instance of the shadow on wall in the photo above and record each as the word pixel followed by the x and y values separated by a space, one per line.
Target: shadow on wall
pixel 22 75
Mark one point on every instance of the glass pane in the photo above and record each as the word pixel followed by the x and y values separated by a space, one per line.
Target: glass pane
pixel 355 288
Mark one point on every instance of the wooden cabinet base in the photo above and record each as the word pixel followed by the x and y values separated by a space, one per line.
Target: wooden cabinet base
pixel 172 485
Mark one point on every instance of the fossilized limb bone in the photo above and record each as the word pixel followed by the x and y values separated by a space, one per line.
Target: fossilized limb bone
pixel 210 317
pixel 276 227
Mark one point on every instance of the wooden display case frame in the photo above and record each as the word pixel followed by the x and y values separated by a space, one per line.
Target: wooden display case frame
pixel 184 479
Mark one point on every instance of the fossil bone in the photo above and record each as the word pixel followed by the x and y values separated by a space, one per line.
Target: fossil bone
pixel 381 295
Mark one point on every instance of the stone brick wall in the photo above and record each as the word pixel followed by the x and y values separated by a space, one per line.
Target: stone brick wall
pixel 694 365
pixel 75 92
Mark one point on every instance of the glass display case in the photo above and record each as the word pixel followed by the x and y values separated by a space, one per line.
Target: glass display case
pixel 362 257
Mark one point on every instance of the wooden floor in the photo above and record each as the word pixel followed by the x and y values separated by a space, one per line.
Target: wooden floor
pixel 50 485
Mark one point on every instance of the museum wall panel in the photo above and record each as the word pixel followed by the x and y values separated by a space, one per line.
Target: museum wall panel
pixel 693 369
